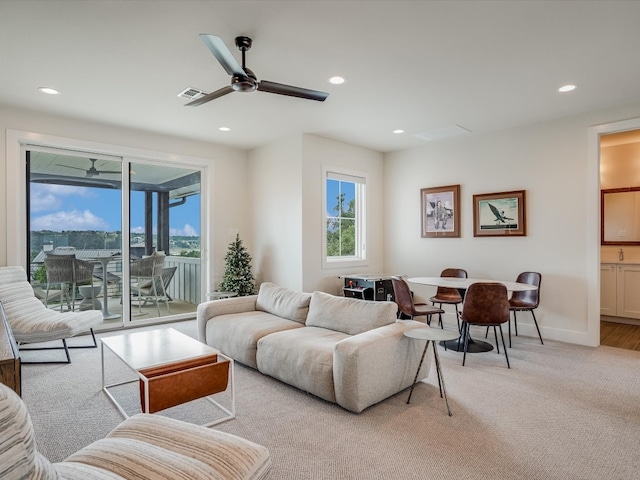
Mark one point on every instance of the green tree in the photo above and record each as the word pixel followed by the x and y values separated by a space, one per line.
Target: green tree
pixel 341 229
pixel 237 272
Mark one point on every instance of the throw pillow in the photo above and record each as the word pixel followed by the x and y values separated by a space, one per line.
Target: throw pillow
pixel 283 302
pixel 349 315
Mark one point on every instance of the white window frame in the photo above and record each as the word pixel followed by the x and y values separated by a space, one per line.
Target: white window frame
pixel 360 179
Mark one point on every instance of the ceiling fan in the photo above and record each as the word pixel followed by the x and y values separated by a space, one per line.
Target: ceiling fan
pixel 92 171
pixel 242 78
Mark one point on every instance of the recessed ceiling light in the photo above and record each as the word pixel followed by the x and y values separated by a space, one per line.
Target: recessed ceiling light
pixel 567 88
pixel 49 90
pixel 336 80
pixel 399 130
pixel 224 129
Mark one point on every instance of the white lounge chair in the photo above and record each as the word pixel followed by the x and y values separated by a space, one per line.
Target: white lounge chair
pixel 32 322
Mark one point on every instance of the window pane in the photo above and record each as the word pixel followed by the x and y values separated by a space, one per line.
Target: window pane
pixel 332 193
pixel 348 196
pixel 333 238
pixel 165 216
pixel 347 237
pixel 75 209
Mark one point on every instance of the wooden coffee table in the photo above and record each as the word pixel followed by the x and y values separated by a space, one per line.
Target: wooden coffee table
pixel 172 369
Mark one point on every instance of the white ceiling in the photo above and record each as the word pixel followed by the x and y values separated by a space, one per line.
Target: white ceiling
pixel 414 65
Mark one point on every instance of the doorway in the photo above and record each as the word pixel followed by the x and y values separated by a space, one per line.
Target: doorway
pixel 618 153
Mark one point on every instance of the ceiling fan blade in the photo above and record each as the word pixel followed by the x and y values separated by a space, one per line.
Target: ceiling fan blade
pixel 222 53
pixel 75 168
pixel 281 89
pixel 109 171
pixel 212 96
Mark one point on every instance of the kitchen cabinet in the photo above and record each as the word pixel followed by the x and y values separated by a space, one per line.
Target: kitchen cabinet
pixel 620 290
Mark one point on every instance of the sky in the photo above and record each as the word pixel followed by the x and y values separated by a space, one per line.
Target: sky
pixel 334 189
pixel 66 207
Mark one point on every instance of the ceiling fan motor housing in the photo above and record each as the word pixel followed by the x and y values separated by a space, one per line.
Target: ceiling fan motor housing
pixel 240 83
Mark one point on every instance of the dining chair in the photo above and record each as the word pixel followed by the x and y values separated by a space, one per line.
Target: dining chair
pixel 486 304
pixel 449 296
pixel 527 300
pixel 406 305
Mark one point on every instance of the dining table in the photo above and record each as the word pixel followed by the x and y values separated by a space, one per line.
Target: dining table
pixel 461 284
pixel 104 260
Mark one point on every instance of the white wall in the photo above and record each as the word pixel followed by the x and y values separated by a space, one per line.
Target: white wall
pixel 229 170
pixel 275 192
pixel 286 188
pixel 317 151
pixel 551 162
pixel 620 166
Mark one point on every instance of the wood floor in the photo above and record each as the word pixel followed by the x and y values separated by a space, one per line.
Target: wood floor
pixel 620 335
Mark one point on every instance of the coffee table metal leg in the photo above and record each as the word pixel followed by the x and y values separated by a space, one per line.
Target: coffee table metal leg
pixel 231 412
pixel 105 387
pixel 440 377
pixel 418 371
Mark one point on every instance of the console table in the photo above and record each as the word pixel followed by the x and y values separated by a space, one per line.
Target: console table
pixel 10 367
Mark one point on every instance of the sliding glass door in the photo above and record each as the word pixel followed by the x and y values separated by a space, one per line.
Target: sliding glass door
pixel 81 205
pixel 164 223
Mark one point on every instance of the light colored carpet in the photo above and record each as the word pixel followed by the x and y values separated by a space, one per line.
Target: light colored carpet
pixel 560 412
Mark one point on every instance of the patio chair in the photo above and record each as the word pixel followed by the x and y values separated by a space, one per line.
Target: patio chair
pixel 32 322
pixel 149 285
pixel 161 285
pixel 70 272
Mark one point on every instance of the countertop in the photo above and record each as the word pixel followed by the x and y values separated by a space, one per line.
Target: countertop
pixel 619 262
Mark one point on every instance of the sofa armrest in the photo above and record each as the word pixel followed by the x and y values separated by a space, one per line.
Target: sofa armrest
pixel 371 366
pixel 208 310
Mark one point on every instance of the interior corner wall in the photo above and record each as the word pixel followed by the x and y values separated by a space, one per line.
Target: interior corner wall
pixel 275 191
pixel 318 151
pixel 230 210
pixel 550 161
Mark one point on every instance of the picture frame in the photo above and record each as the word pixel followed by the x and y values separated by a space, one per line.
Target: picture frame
pixel 440 211
pixel 500 214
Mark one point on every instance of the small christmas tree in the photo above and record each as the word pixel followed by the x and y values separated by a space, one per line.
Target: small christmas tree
pixel 237 271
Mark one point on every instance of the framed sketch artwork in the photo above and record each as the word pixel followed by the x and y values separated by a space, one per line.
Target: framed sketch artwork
pixel 440 211
pixel 499 214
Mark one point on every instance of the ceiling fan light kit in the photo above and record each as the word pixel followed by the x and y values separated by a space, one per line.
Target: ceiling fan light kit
pixel 242 78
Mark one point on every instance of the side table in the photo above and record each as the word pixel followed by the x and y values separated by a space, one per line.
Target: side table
pixel 432 335
pixel 221 295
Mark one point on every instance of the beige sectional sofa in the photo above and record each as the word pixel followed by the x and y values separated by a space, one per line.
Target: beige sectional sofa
pixel 343 350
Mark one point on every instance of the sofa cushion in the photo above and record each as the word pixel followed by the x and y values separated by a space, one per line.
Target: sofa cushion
pixel 237 334
pixel 349 315
pixel 302 357
pixel 283 302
